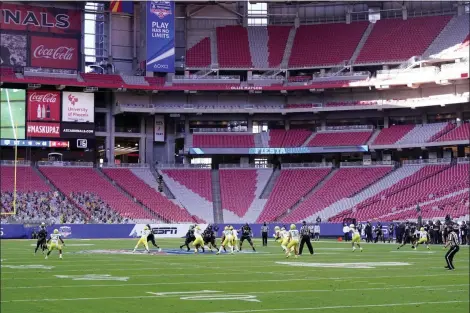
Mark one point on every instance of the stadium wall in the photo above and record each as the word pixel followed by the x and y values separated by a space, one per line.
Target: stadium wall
pixel 109 231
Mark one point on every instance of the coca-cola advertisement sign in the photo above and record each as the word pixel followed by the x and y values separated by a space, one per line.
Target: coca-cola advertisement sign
pixel 54 52
pixel 43 105
pixel 39 129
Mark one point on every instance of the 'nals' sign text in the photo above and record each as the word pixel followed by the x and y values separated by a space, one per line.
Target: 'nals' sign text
pixel 78 107
pixel 39 19
pixel 53 52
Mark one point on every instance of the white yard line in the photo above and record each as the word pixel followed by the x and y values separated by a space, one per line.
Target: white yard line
pixel 343 307
pixel 232 282
pixel 178 294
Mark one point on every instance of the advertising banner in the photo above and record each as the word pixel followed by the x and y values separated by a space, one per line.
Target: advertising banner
pixel 78 107
pixel 54 52
pixel 42 130
pixel 43 106
pixel 266 151
pixel 95 231
pixel 13 231
pixel 77 130
pixel 40 19
pixel 159 131
pixel 12 113
pixel 13 49
pixel 34 143
pixel 160 36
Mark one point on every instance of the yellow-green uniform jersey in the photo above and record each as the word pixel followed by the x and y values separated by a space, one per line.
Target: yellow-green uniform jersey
pixel 284 234
pixel 423 234
pixel 55 242
pixel 145 233
pixel 227 238
pixel 355 234
pixel 294 236
pixel 423 237
pixel 198 237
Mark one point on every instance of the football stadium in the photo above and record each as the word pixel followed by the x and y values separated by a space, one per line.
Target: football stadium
pixel 235 156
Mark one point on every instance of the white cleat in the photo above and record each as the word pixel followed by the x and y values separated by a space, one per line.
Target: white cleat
pixel 60 257
pixel 159 249
pixel 46 257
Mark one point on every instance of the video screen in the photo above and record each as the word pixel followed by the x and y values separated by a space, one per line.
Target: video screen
pixel 12 113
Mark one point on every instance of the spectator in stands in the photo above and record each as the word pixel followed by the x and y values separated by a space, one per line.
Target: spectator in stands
pixel 100 211
pixel 50 207
pixel 318 219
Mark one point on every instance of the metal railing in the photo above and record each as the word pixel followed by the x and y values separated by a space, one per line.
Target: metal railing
pixel 124 165
pixel 243 166
pixel 427 161
pixel 18 162
pixel 220 130
pixel 463 160
pixel 137 105
pixel 65 164
pixel 179 166
pixel 345 127
pixel 306 165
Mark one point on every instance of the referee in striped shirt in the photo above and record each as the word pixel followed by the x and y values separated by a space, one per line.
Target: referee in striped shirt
pixel 453 242
pixel 305 238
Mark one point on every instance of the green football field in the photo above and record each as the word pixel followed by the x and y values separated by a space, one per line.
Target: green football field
pixel 12 113
pixel 94 278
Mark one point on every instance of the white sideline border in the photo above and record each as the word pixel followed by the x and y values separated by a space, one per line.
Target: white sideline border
pixel 437 287
pixel 341 307
pixel 232 282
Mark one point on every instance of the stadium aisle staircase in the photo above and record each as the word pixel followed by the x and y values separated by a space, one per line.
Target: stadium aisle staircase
pixel 385 182
pixel 193 189
pixel 344 183
pixel 291 186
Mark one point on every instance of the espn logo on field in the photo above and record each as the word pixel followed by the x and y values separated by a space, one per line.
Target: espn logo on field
pixel 165 230
pixel 82 143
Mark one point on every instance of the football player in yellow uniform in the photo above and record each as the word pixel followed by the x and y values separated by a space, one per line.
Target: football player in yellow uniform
pixel 143 239
pixel 199 241
pixel 55 242
pixel 227 240
pixel 423 238
pixel 356 237
pixel 284 239
pixel 235 238
pixel 293 239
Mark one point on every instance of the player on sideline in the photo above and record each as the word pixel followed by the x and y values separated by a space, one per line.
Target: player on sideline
pixel 198 241
pixel 143 239
pixel 42 237
pixel 56 242
pixel 246 235
pixel 293 239
pixel 235 238
pixel 356 237
pixel 151 238
pixel 423 238
pixel 227 240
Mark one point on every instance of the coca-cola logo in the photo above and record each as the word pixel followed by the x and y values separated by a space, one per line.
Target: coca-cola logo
pixel 43 97
pixel 59 53
pixel 73 99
